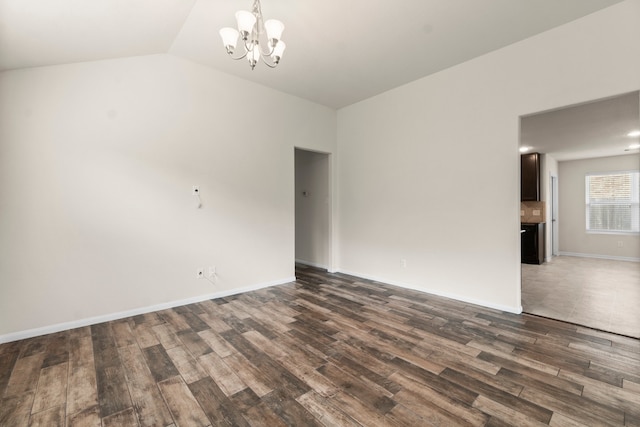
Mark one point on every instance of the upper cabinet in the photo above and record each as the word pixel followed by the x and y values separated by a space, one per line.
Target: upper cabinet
pixel 530 177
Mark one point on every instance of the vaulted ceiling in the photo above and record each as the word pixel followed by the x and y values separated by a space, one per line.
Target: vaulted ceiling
pixel 338 51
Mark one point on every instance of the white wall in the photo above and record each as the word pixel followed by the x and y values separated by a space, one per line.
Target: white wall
pixel 312 208
pixel 97 161
pixel 428 172
pixel 573 237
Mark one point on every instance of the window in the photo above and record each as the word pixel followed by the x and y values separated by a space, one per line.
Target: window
pixel 612 202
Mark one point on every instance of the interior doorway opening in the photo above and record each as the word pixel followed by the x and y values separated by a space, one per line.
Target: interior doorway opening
pixel 312 209
pixel 590 278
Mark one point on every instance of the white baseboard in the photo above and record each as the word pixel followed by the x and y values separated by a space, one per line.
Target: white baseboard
pixel 508 309
pixel 614 258
pixel 30 333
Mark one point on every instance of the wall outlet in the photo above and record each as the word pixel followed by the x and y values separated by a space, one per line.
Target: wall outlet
pixel 536 212
pixel 620 243
pixel 403 263
pixel 200 273
pixel 195 190
pixel 212 271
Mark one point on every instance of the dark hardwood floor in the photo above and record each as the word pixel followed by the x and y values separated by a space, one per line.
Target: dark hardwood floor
pixel 328 350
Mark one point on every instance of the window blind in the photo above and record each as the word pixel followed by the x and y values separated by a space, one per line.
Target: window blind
pixel 612 202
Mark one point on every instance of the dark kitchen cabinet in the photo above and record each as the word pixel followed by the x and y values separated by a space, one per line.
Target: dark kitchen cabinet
pixel 530 177
pixel 532 241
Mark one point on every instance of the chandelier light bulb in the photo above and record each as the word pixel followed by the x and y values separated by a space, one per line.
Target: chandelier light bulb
pixel 277 51
pixel 254 55
pixel 274 29
pixel 229 38
pixel 246 21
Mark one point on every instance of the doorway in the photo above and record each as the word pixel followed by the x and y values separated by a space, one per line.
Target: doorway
pixel 590 278
pixel 312 209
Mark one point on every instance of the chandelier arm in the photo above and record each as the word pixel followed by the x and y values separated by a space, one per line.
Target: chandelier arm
pixel 266 53
pixel 264 61
pixel 244 55
pixel 246 52
pixel 248 43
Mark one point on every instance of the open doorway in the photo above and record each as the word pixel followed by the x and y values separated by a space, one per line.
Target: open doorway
pixel 312 209
pixel 591 275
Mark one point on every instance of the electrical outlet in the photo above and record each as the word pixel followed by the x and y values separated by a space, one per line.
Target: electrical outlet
pixel 403 263
pixel 212 271
pixel 200 273
pixel 620 243
pixel 195 190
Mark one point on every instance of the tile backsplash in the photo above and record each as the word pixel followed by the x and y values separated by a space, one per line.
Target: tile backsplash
pixel 532 212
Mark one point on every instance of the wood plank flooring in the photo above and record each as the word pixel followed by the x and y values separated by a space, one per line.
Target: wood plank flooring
pixel 326 350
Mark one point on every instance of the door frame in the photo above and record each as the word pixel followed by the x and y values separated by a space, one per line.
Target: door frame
pixel 555 243
pixel 330 234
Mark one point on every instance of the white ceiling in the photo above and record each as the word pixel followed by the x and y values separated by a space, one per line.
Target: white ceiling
pixel 338 51
pixel 594 129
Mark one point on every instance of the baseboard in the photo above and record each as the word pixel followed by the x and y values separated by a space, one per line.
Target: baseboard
pixel 311 264
pixel 610 257
pixel 508 309
pixel 30 333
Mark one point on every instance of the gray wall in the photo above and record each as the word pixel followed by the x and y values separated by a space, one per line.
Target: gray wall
pixel 572 220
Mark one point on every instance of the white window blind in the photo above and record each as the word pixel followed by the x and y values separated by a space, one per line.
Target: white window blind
pixel 612 202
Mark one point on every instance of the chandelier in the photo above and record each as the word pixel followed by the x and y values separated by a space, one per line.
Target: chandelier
pixel 251 29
